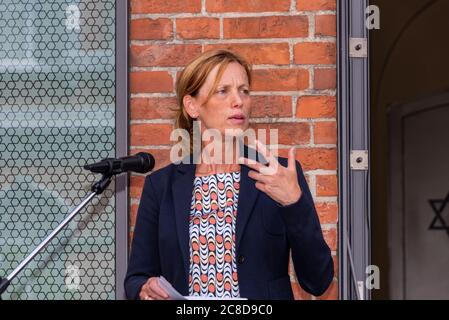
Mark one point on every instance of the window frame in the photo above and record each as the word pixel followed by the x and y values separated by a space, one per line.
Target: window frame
pixel 121 122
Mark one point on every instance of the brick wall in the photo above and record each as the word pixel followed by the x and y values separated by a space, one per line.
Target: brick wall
pixel 292 46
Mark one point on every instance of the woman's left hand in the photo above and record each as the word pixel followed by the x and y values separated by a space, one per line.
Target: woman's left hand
pixel 278 182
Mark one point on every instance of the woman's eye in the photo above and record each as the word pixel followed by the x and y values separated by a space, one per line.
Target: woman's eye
pixel 245 91
pixel 221 91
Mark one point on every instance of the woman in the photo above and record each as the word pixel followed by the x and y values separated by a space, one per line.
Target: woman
pixel 226 230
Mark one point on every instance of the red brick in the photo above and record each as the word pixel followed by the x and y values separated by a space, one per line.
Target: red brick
pixel 330 236
pixel 325 79
pixel 152 108
pixel 280 79
pixel 271 106
pixel 326 25
pixel 163 55
pixel 315 158
pixel 266 27
pixel 326 185
pixel 315 53
pixel 133 214
pixel 316 107
pixel 335 258
pixel 247 6
pixel 136 186
pixel 258 53
pixel 325 132
pixel 315 5
pixel 143 134
pixel 288 133
pixel 150 81
pixel 165 6
pixel 198 28
pixel 151 29
pixel 327 212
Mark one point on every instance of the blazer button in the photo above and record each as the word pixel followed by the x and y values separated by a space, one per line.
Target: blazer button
pixel 241 259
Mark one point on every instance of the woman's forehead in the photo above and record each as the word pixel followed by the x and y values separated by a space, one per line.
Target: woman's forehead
pixel 233 71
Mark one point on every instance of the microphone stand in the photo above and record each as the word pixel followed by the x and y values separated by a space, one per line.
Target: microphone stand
pixel 96 189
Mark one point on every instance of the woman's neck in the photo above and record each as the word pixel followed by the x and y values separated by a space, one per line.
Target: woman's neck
pixel 210 164
pixel 207 169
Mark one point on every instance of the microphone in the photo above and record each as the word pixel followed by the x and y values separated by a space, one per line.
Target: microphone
pixel 142 162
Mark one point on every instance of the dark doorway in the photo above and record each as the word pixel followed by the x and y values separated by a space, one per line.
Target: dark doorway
pixel 409 149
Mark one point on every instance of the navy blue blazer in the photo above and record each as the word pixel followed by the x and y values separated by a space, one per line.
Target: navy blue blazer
pixel 265 233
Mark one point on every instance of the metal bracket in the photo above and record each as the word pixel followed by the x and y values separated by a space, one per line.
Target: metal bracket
pixel 361 288
pixel 358 47
pixel 359 160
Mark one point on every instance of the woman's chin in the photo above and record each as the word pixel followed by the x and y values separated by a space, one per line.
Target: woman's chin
pixel 236 129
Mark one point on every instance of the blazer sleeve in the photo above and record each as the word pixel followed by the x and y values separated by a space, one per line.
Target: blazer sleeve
pixel 310 254
pixel 144 260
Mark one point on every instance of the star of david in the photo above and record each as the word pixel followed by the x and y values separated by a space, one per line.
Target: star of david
pixel 438 222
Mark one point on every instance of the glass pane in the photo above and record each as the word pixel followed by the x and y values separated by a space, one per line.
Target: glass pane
pixel 57 113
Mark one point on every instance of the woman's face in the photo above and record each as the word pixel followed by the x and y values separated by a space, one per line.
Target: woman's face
pixel 229 106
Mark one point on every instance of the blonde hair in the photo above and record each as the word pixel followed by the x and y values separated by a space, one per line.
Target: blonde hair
pixel 194 75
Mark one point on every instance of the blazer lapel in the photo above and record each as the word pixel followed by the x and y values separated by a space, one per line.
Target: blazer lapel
pixel 247 198
pixel 247 195
pixel 182 189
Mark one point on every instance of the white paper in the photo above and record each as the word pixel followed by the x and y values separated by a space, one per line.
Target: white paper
pixel 175 295
pixel 172 293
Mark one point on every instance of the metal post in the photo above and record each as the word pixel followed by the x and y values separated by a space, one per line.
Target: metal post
pixel 353 137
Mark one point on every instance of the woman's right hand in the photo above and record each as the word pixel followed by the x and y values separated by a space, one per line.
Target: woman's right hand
pixel 151 290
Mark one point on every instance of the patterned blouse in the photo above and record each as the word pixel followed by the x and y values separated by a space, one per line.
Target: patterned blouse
pixel 213 268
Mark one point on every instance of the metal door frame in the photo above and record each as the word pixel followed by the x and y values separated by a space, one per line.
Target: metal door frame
pixel 353 135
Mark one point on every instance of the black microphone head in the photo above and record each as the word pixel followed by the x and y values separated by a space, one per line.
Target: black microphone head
pixel 142 162
pixel 147 162
pixel 100 167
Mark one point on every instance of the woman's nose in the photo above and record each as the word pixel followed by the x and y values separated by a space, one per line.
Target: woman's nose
pixel 237 99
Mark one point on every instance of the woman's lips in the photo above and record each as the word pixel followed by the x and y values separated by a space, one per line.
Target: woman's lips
pixel 238 119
